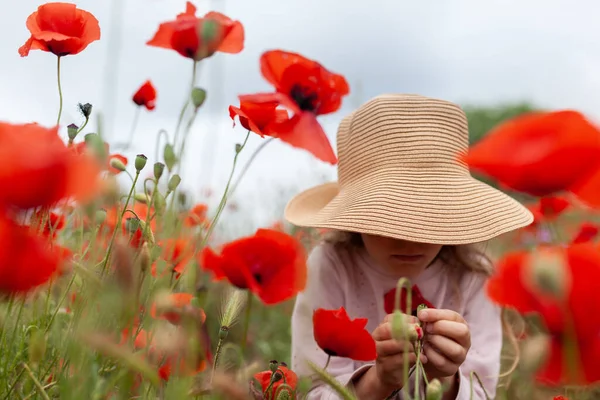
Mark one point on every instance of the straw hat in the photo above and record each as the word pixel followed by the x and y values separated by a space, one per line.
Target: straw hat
pixel 399 176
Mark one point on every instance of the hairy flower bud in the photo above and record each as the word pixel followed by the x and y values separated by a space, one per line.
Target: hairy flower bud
pixel 169 156
pixel 174 182
pixel 434 390
pixel 145 259
pixel 37 346
pixel 117 164
pixel 141 198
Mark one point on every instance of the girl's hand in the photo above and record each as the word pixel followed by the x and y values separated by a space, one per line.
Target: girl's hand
pixel 391 353
pixel 446 343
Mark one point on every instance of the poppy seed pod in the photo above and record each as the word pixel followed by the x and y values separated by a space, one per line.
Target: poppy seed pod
pixel 284 392
pixel 169 156
pixel 158 170
pixel 85 109
pixel 72 131
pixel 198 96
pixel 273 365
pixel 140 162
pixel 100 216
pixel 398 324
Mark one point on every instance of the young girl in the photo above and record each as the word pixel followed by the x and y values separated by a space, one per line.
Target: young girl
pixel 404 206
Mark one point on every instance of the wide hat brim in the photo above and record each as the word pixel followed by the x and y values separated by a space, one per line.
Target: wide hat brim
pixel 449 209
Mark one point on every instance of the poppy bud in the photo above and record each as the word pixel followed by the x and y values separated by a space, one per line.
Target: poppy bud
pixel 169 156
pixel 141 198
pixel 238 147
pixel 160 204
pixel 398 325
pixel 223 332
pixel 158 170
pixel 434 390
pixel 145 259
pixel 284 392
pixel 117 164
pixel 277 376
pixel 37 346
pixel 198 97
pixel 535 352
pixel 146 231
pixel 548 273
pixel 140 162
pixel 72 131
pixel 182 198
pixel 85 109
pixel 273 365
pixel 174 182
pixel 100 216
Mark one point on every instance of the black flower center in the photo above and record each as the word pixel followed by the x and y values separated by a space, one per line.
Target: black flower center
pixel 306 98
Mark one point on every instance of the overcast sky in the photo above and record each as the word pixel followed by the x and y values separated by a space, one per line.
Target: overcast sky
pixel 468 51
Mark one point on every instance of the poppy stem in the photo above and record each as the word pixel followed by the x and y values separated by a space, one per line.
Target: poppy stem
pixel 187 103
pixel 327 363
pixel 247 166
pixel 474 374
pixel 60 95
pixel 246 322
pixel 119 222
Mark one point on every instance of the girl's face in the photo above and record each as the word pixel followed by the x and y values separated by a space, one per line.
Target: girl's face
pixel 408 258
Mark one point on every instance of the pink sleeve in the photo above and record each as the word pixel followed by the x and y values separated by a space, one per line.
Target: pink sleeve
pixel 325 289
pixel 483 358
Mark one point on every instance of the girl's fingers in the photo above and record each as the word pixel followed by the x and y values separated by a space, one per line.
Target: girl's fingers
pixel 448 348
pixel 438 361
pixel 433 314
pixel 382 332
pixel 391 347
pixel 454 330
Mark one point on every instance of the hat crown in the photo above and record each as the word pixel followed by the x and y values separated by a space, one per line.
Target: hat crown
pixel 412 133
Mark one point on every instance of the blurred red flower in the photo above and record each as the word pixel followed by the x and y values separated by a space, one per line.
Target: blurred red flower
pixel 307 89
pixel 271 264
pixel 197 38
pixel 146 96
pixel 143 212
pixel 177 301
pixel 196 216
pixel 549 152
pixel 288 377
pixel 37 169
pixel 338 336
pixel 568 321
pixel 552 207
pixel 417 298
pixel 258 117
pixel 177 253
pixel 587 232
pixel 26 259
pixel 52 223
pixel 61 29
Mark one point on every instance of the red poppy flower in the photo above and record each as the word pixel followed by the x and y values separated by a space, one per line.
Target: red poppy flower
pixel 288 377
pixel 550 152
pixel 180 366
pixel 258 117
pixel 146 96
pixel 560 398
pixel 26 259
pixel 307 89
pixel 37 169
pixel 136 239
pixel 338 336
pixel 177 253
pixel 61 29
pixel 511 287
pixel 271 264
pixel 179 301
pixel 196 216
pixel 553 206
pixel 119 157
pixel 198 38
pixel 587 232
pixel 417 298
pixel 52 223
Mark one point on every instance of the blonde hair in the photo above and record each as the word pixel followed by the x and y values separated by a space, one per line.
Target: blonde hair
pixel 458 259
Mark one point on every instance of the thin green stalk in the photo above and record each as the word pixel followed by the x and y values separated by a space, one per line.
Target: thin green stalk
pixel 187 103
pixel 247 166
pixel 247 322
pixel 404 283
pixel 60 95
pixel 119 222
pixel 161 133
pixel 217 357
pixel 127 144
pixel 60 303
pixel 37 383
pixel 487 396
pixel 12 387
pixel 12 337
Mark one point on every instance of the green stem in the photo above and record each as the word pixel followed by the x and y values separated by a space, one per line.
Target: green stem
pixel 487 396
pixel 247 322
pixel 136 118
pixel 217 356
pixel 12 387
pixel 161 133
pixel 404 283
pixel 187 103
pixel 60 95
pixel 247 166
pixel 119 222
pixel 60 304
pixel 327 363
pixel 37 383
